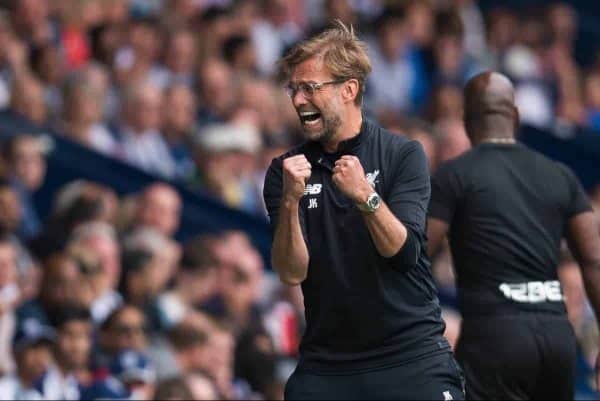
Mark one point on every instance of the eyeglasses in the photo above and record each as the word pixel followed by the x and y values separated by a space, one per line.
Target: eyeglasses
pixel 308 89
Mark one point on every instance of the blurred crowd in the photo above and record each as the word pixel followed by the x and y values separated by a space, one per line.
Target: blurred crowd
pixel 98 300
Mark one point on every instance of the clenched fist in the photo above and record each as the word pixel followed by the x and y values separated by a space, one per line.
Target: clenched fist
pixel 296 172
pixel 349 177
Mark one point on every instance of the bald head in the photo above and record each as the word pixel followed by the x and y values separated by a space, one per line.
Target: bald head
pixel 490 111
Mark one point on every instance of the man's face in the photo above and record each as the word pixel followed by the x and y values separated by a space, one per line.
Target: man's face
pixel 161 210
pixel 127 332
pixel 326 102
pixel 75 343
pixel 34 361
pixel 10 210
pixel 8 268
pixel 29 163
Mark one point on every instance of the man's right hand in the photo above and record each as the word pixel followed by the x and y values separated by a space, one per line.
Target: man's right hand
pixel 296 172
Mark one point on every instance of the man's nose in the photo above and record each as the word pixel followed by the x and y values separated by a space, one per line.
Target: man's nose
pixel 298 99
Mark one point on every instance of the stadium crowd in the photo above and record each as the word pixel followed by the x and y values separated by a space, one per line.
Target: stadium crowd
pixel 99 300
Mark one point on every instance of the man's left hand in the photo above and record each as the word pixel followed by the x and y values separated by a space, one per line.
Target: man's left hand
pixel 349 177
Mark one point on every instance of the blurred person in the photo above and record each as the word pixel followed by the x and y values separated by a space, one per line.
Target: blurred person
pixel 420 21
pixel 178 126
pixel 115 11
pixel 181 54
pixel 12 57
pixel 474 28
pixel 137 60
pixel 453 140
pixel 318 193
pixel 267 101
pixel 272 33
pixel 501 33
pixel 136 372
pixel 153 260
pixel 159 207
pixel 82 116
pixel 398 83
pixel 195 283
pixel 32 349
pixel 124 329
pixel 239 53
pixel 227 164
pixel 426 136
pixel 141 142
pixel 216 86
pixel 11 219
pixel 27 100
pixel 217 23
pixel 24 156
pixel 218 363
pixel 31 21
pixel 332 10
pixel 445 103
pixel 61 286
pixel 563 22
pixel 99 239
pixel 9 300
pixel 72 351
pixel 591 88
pixel 520 204
pixel 48 64
pixel 452 63
pixel 240 285
pixel 173 389
pixel 201 387
pixel 191 348
pixel 76 203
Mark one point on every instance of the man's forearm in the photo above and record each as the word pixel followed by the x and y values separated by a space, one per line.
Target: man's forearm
pixel 591 279
pixel 289 254
pixel 388 233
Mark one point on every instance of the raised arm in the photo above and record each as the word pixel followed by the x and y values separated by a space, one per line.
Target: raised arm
pixel 289 253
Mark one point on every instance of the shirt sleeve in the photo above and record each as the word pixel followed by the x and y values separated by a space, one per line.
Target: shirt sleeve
pixel 578 199
pixel 408 199
pixel 272 191
pixel 445 193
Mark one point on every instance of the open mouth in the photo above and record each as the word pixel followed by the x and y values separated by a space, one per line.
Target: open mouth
pixel 310 117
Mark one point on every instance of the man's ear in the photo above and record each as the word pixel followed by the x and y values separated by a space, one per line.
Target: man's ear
pixel 350 90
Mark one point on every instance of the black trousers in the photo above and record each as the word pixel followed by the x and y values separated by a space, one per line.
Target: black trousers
pixel 524 357
pixel 433 378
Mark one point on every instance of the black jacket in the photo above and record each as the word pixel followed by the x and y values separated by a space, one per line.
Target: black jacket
pixel 364 310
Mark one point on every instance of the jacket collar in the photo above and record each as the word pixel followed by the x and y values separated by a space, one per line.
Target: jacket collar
pixel 314 150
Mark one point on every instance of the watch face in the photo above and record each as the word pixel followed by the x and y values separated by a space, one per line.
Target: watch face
pixel 374 202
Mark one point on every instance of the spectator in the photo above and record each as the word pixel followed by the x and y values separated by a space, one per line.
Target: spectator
pixel 61 286
pixel 191 348
pixel 195 284
pixel 180 58
pixel 27 101
pixel 174 389
pixel 398 83
pixel 49 67
pixel 135 371
pixel 239 52
pixel 157 259
pixel 201 387
pixel 159 207
pixel 141 142
pixel 32 23
pixel 9 300
pixel 217 91
pixel 99 240
pixel 82 116
pixel 178 127
pixel 72 353
pixel 32 347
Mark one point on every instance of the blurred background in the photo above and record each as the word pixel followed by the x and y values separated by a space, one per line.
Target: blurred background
pixel 134 139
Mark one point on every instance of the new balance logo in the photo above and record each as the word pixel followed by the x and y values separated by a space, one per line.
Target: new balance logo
pixel 313 189
pixel 533 292
pixel 447 396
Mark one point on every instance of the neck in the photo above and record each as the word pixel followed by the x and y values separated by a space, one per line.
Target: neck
pixel 349 129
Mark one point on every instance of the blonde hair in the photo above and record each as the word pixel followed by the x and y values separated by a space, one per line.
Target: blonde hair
pixel 341 51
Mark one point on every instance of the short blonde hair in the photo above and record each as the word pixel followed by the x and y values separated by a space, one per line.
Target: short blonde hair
pixel 342 52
